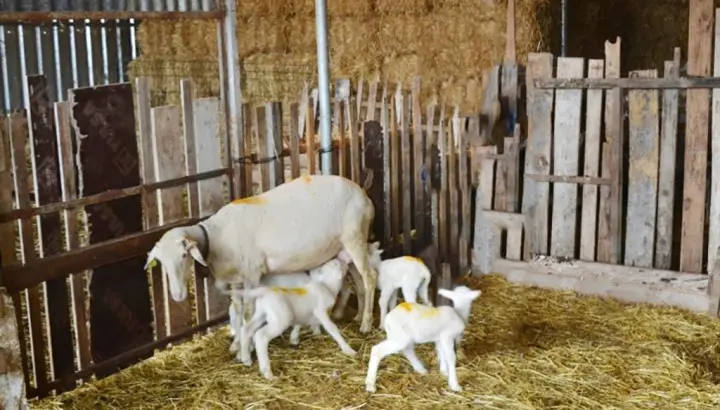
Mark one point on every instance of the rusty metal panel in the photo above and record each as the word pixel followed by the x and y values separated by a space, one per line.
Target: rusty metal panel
pixel 46 175
pixel 121 317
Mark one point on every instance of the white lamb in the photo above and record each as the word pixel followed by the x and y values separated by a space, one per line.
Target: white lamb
pixel 412 323
pixel 405 272
pixel 296 226
pixel 277 309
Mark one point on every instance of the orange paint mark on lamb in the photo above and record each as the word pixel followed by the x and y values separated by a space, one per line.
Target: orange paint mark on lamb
pixel 295 291
pixel 251 200
pixel 307 179
pixel 406 306
pixel 412 259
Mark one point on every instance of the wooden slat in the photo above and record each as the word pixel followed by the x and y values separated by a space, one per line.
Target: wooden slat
pixel 700 39
pixel 510 32
pixel 713 290
pixel 69 191
pixel 372 101
pixel 454 201
pixel 406 173
pixel 535 203
pixel 443 230
pixel 274 148
pixel 609 242
pixel 431 162
pixel 666 177
pixel 263 141
pixel 714 214
pixel 45 169
pixel 566 153
pixel 512 187
pixel 395 165
pixel 294 142
pixel 513 249
pixel 246 168
pixel 355 150
pixel 487 176
pixel 357 100
pixel 500 200
pixel 208 155
pixel 491 104
pixel 385 120
pixel 691 82
pixel 302 116
pixel 142 102
pixel 418 148
pixel 593 118
pixel 19 136
pixel 188 129
pixel 166 138
pixel 464 182
pixel 643 174
pixel 310 140
pixel 7 230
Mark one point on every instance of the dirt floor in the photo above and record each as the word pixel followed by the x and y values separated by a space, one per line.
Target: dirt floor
pixel 524 348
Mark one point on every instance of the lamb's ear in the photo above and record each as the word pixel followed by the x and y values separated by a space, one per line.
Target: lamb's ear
pixel 475 294
pixel 151 261
pixel 191 246
pixel 448 294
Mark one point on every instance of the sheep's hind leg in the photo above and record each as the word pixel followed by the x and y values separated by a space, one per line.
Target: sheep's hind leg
pixel 415 361
pixel 262 337
pixel 359 291
pixel 448 348
pixel 358 252
pixel 248 331
pixel 333 331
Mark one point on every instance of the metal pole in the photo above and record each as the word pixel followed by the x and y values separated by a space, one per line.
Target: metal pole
pixel 563 28
pixel 323 86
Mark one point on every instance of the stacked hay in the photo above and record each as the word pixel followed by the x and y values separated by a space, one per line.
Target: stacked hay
pixel 525 348
pixel 447 42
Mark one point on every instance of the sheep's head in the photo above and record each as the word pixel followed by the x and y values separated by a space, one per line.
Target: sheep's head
pixel 375 254
pixel 331 273
pixel 461 295
pixel 175 252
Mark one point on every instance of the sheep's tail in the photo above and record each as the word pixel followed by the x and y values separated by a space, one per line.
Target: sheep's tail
pixel 424 291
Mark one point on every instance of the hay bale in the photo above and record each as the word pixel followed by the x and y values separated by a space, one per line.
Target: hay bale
pixel 301 36
pixel 402 7
pixel 524 348
pixel 261 35
pixel 263 8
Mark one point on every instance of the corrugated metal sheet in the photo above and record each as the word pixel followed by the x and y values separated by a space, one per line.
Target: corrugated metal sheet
pixel 74 53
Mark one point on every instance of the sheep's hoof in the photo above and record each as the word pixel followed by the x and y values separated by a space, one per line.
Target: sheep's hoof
pixel 247 361
pixel 366 327
pixel 350 352
pixel 422 370
pixel 233 347
pixel 269 375
pixel 370 387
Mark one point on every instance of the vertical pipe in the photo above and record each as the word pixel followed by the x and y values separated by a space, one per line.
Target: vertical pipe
pixel 323 85
pixel 233 100
pixel 563 28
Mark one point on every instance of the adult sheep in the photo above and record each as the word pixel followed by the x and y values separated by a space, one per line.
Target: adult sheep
pixel 294 227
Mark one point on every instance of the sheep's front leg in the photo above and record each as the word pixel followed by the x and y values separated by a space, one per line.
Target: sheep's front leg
pixel 359 285
pixel 339 310
pixel 448 349
pixel 333 331
pixel 235 312
pixel 248 310
pixel 295 335
pixel 385 296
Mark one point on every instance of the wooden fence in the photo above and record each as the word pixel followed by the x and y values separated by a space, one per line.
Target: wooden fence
pixel 88 185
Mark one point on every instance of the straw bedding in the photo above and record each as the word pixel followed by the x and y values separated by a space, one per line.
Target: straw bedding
pixel 525 348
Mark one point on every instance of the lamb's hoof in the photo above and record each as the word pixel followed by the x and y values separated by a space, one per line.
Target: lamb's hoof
pixel 337 316
pixel 456 388
pixel 422 371
pixel 358 318
pixel 233 348
pixel 294 342
pixel 350 352
pixel 268 375
pixel 365 328
pixel 247 361
pixel 370 387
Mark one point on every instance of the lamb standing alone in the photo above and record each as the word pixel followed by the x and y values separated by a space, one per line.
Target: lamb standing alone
pixel 294 227
pixel 411 323
pixel 277 309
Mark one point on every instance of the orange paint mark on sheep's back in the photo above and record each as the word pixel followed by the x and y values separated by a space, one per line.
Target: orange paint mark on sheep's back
pixel 307 179
pixel 251 200
pixel 406 306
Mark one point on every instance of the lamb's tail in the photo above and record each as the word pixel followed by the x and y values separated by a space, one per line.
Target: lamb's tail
pixel 424 292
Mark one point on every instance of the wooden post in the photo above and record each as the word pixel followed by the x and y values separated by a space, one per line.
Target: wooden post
pixel 294 141
pixel 714 287
pixel 374 151
pixel 12 384
pixel 714 214
pixel 418 155
pixel 696 137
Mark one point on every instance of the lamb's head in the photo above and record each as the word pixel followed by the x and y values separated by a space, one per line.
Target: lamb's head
pixel 175 252
pixel 375 255
pixel 462 298
pixel 331 274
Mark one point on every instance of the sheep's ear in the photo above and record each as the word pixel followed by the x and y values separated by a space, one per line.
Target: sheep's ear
pixel 375 245
pixel 191 246
pixel 475 294
pixel 151 261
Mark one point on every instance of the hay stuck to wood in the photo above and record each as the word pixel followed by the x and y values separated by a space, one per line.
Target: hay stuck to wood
pixel 525 348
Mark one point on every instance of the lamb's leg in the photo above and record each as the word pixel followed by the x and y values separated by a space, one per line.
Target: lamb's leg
pixel 393 299
pixel 315 329
pixel 409 291
pixel 442 364
pixel 385 295
pixel 378 352
pixel 358 249
pixel 295 335
pixel 339 310
pixel 248 306
pixel 448 348
pixel 236 322
pixel 262 337
pixel 333 331
pixel 415 361
pixel 248 331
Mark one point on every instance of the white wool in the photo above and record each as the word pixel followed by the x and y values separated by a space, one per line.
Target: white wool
pixel 277 309
pixel 407 273
pixel 412 323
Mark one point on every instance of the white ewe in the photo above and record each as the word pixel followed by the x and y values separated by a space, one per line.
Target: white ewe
pixel 411 323
pixel 294 227
pixel 277 309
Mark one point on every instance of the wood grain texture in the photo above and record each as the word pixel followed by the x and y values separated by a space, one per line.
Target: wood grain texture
pixel 568 104
pixel 714 214
pixel 593 122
